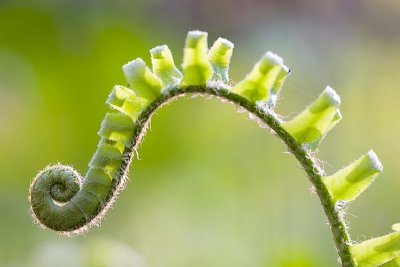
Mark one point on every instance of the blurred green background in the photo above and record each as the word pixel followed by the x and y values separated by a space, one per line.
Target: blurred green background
pixel 211 188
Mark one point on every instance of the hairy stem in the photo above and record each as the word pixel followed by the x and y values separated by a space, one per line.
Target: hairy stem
pixel 314 172
pixel 73 217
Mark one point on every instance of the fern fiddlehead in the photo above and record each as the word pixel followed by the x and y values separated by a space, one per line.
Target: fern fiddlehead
pixel 62 200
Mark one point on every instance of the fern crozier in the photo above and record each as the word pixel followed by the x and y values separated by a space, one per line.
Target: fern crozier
pixel 63 200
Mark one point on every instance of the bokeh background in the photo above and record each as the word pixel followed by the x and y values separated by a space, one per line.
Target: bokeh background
pixel 211 188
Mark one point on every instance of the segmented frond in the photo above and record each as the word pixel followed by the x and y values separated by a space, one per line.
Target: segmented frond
pixel 126 101
pixel 377 251
pixel 64 201
pixel 164 66
pixel 197 70
pixel 348 183
pixel 264 79
pixel 310 126
pixel 220 56
pixel 141 80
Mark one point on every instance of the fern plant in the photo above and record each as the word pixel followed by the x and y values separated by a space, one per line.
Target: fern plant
pixel 64 201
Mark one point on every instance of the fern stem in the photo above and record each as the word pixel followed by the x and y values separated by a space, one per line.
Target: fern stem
pixel 314 172
pixel 70 219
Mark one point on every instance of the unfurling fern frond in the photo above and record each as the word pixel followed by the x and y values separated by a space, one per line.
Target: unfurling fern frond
pixel 62 200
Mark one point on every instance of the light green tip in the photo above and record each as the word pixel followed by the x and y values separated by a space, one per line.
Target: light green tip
pixel 164 66
pixel 197 70
pixel 378 251
pixel 348 183
pixel 266 75
pixel 277 86
pixel 161 52
pixel 310 126
pixel 269 60
pixel 374 161
pixel 396 227
pixel 328 98
pixel 126 101
pixel 196 38
pixel 142 80
pixel 220 56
